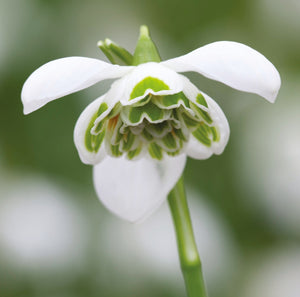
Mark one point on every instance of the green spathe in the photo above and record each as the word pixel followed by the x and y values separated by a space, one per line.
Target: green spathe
pixel 145 50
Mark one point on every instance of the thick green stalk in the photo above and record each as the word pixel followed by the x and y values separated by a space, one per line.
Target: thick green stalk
pixel 188 253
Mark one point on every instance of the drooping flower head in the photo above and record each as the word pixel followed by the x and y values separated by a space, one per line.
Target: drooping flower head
pixel 138 134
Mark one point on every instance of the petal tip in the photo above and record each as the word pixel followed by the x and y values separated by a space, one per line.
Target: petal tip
pixel 30 106
pixel 26 111
pixel 271 93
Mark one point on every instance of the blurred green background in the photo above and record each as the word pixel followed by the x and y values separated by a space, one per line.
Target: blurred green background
pixel 56 239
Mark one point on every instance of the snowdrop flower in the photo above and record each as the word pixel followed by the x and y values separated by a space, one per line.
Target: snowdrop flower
pixel 139 133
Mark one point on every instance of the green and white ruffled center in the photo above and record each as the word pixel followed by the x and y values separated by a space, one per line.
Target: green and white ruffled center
pixel 154 124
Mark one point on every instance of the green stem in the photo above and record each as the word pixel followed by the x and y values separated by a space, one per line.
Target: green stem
pixel 188 253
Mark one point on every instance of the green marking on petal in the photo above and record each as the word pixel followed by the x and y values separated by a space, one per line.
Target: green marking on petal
pixel 128 140
pixel 201 100
pixel 206 129
pixel 135 115
pixel 189 121
pixel 88 135
pixel 115 110
pixel 125 129
pixel 159 130
pixel 115 151
pixel 154 113
pixel 201 113
pixel 134 153
pixel 143 101
pixel 145 134
pixel 100 126
pixel 98 139
pixel 116 137
pixel 136 130
pixel 201 134
pixel 155 151
pixel 171 101
pixel 103 107
pixel 93 142
pixel 176 124
pixel 170 142
pixel 180 134
pixel 173 154
pixel 149 82
pixel 215 134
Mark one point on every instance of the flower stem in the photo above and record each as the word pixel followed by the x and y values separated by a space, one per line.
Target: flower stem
pixel 188 254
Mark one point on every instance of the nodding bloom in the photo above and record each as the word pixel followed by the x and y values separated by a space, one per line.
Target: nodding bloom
pixel 139 133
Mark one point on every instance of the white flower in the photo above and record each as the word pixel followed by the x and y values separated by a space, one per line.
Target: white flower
pixel 138 134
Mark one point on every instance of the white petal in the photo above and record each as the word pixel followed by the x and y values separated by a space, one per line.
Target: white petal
pixel 81 127
pixel 234 64
pixel 134 189
pixel 65 76
pixel 153 70
pixel 196 149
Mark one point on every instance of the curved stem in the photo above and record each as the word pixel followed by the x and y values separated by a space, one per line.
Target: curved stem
pixel 188 253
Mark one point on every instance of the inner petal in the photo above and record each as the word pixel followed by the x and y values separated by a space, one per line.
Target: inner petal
pixel 159 130
pixel 135 115
pixel 148 83
pixel 150 78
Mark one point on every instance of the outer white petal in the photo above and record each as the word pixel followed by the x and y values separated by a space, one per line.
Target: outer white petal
pixel 134 189
pixel 154 70
pixel 194 148
pixel 81 126
pixel 65 76
pixel 234 64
